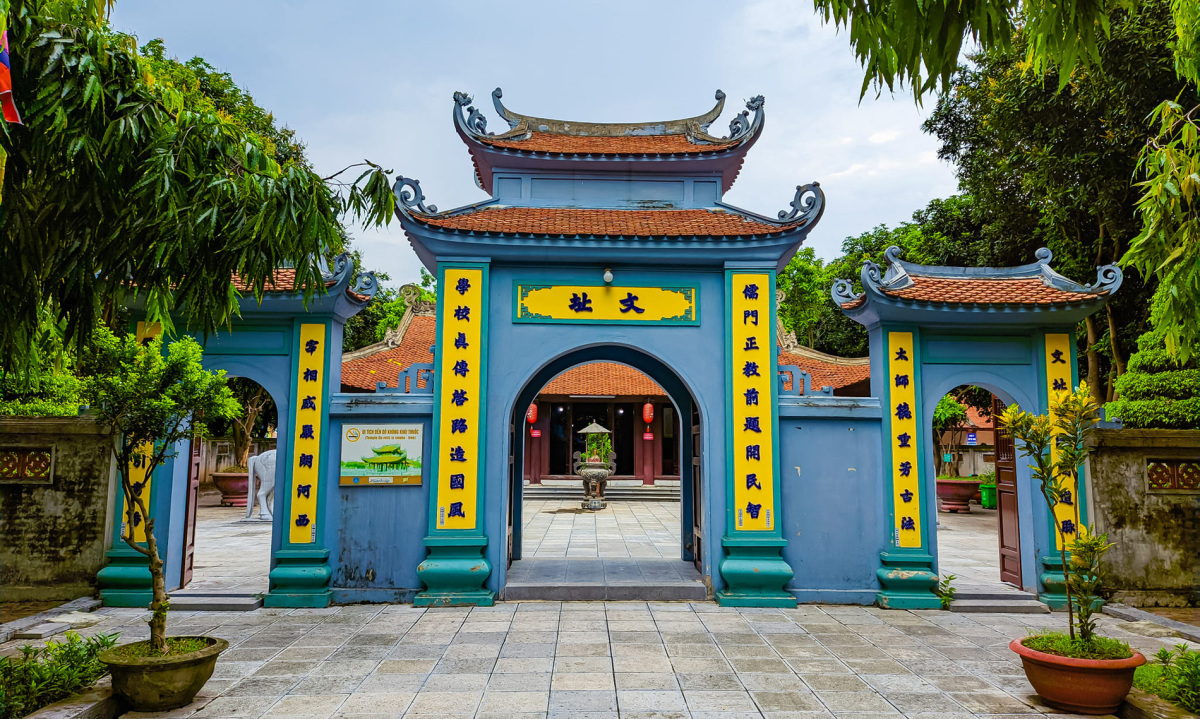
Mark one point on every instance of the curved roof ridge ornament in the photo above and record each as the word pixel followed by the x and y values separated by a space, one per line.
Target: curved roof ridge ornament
pixel 366 284
pixel 409 197
pixel 521 124
pixel 475 123
pixel 807 206
pixel 843 293
pixel 1108 280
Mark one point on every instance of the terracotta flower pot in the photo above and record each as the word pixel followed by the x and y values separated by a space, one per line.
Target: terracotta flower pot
pixel 1084 686
pixel 152 684
pixel 956 494
pixel 234 487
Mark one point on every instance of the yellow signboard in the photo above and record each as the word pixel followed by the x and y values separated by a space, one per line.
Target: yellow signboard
pixel 906 476
pixel 138 465
pixel 606 304
pixel 460 379
pixel 1058 383
pixel 753 445
pixel 306 450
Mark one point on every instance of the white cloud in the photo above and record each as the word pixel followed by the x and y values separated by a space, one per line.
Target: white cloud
pixel 879 138
pixel 382 90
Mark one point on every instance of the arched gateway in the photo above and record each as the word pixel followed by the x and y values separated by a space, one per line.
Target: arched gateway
pixel 611 242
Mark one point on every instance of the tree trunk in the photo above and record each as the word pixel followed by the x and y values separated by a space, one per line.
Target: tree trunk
pixel 1093 361
pixel 244 428
pixel 1118 358
pixel 158 605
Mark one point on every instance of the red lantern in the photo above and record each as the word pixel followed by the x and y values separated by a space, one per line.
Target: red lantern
pixel 531 414
pixel 648 412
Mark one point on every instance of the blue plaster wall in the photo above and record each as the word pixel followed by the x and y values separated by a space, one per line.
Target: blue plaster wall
pixel 376 529
pixel 833 503
pixel 516 352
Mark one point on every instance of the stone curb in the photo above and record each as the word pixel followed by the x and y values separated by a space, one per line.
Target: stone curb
pixel 95 703
pixel 1130 614
pixel 1142 705
pixel 82 604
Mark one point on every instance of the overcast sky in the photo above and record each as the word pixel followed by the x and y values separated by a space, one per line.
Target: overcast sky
pixel 373 79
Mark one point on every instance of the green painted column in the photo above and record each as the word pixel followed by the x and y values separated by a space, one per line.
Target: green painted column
pixel 753 567
pixel 300 577
pixel 455 571
pixel 906 575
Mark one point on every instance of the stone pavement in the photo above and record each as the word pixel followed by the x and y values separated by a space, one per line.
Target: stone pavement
pixel 233 556
pixel 617 659
pixel 969 546
pixel 555 528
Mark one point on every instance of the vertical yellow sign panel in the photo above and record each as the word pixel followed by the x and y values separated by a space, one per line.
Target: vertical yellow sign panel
pixel 905 470
pixel 306 436
pixel 1058 383
pixel 460 377
pixel 146 331
pixel 753 433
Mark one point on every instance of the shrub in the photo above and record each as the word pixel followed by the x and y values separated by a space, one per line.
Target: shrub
pixel 1058 643
pixel 1176 677
pixel 1157 391
pixel 43 676
pixel 987 479
pixel 44 395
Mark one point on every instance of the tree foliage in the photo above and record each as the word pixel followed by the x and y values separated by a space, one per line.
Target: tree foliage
pixel 919 43
pixel 124 183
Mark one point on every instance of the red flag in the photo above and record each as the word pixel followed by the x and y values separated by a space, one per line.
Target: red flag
pixel 6 98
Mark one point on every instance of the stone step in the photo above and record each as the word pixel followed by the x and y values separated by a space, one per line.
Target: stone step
pixel 197 602
pixel 596 592
pixel 41 631
pixel 999 606
pixel 988 594
pixel 615 494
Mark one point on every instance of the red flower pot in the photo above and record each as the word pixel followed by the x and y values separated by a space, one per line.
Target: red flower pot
pixel 956 494
pixel 1084 686
pixel 234 487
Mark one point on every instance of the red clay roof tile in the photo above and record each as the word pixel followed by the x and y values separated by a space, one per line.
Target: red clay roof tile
pixel 1023 291
pixel 608 223
pixel 596 145
pixel 826 374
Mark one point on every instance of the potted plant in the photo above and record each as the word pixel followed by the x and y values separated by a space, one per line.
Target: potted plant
pixel 1078 670
pixel 956 493
pixel 151 401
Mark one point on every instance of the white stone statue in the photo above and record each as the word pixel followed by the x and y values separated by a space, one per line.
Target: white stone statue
pixel 261 467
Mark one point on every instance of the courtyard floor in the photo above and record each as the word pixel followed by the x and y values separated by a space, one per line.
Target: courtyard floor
pixel 602 660
pixel 613 659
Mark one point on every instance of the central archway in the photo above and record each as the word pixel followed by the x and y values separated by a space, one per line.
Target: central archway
pixel 687 409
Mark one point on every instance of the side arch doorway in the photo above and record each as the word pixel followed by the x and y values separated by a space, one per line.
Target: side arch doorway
pixel 648 542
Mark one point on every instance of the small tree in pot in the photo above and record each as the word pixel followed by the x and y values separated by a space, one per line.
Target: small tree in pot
pixel 151 401
pixel 1077 670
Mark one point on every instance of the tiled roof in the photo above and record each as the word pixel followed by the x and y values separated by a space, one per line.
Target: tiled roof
pixel 826 374
pixel 571 221
pixel 598 145
pixel 603 379
pixel 1020 291
pixel 974 419
pixel 385 366
pixel 282 280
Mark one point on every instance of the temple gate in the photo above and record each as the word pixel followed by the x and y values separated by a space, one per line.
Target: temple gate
pixel 612 242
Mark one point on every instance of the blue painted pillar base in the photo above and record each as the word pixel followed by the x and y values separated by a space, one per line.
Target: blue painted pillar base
pixel 125 580
pixel 300 579
pixel 1054 584
pixel 454 573
pixel 755 573
pixel 908 581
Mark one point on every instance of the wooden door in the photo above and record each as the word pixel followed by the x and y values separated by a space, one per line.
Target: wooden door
pixel 515 482
pixel 697 495
pixel 1006 500
pixel 193 496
